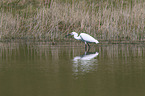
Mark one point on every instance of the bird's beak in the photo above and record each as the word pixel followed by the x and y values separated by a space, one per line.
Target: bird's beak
pixel 67 35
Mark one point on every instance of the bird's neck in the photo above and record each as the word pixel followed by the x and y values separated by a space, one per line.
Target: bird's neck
pixel 77 37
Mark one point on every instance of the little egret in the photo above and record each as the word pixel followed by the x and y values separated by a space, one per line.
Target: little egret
pixel 84 37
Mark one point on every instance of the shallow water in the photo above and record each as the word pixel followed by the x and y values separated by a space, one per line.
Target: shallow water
pixel 42 69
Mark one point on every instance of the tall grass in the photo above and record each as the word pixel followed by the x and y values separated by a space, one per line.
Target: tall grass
pixel 52 19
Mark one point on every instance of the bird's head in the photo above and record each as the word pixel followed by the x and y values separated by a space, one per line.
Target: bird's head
pixel 72 33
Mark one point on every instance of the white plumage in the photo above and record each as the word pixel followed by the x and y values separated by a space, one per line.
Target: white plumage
pixel 84 37
pixel 87 38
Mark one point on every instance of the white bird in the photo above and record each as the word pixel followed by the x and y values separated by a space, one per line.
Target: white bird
pixel 84 37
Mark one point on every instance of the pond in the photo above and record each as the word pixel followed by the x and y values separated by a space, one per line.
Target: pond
pixel 66 69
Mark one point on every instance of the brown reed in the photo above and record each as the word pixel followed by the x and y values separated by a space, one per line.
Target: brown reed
pixel 53 19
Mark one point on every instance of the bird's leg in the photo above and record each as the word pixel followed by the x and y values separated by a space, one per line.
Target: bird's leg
pixel 85 46
pixel 88 46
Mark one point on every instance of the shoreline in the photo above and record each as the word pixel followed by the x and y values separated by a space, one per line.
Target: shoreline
pixel 53 42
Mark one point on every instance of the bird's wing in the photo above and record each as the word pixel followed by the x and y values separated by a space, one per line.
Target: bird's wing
pixel 87 37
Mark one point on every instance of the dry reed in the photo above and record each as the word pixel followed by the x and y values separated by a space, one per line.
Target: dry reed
pixel 51 19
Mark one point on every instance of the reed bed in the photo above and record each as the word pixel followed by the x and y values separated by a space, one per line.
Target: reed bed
pixel 53 19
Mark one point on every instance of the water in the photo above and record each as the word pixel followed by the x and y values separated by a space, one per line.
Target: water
pixel 43 69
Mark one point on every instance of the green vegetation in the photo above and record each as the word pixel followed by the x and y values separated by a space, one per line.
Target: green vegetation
pixel 52 19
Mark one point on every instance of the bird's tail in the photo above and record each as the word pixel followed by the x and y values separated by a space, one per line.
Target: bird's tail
pixel 96 42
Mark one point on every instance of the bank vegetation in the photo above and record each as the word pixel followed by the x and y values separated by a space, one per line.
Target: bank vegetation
pixel 53 19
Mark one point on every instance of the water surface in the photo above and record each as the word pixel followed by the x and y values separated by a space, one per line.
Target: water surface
pixel 66 69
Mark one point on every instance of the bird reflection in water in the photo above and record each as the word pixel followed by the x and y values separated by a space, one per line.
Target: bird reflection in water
pixel 85 63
